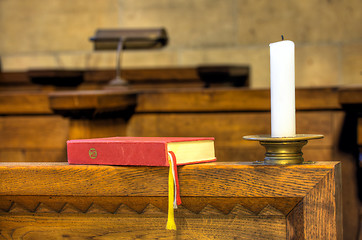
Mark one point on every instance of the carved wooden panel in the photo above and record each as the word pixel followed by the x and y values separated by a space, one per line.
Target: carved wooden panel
pixel 219 201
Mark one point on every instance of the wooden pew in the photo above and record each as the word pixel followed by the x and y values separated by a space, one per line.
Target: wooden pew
pixel 219 201
pixel 35 124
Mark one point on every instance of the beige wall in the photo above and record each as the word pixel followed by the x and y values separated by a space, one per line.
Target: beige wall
pixel 55 33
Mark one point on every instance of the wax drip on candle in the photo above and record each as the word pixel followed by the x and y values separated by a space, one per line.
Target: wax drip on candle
pixel 282 37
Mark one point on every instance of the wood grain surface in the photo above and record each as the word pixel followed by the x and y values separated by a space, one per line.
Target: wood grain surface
pixel 223 180
pixel 350 95
pixel 206 100
pixel 97 128
pixel 33 132
pixel 97 99
pixel 27 102
pixel 316 220
pixel 140 227
pixel 220 201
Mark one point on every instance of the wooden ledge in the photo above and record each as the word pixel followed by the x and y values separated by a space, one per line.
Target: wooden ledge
pixel 92 101
pixel 168 100
pixel 285 202
pixel 231 99
pixel 213 180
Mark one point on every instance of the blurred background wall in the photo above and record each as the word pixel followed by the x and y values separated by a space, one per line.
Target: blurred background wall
pixel 54 34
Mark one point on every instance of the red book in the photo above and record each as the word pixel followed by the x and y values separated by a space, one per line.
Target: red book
pixel 140 151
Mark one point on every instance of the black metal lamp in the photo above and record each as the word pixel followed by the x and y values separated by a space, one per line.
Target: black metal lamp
pixel 127 39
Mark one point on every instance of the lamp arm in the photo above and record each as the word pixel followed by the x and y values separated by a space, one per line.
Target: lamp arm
pixel 119 52
pixel 118 80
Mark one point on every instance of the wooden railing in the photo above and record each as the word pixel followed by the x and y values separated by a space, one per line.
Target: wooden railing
pixel 219 201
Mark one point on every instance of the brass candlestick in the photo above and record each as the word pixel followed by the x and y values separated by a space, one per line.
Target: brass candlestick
pixel 283 150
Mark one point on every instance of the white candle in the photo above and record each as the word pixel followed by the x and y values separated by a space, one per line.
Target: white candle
pixel 282 89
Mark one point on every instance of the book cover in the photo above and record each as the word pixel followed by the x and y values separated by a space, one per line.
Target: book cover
pixel 140 151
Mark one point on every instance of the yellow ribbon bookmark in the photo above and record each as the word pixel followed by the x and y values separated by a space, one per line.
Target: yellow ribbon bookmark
pixel 171 225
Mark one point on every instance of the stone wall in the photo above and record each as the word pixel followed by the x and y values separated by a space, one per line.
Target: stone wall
pixel 54 34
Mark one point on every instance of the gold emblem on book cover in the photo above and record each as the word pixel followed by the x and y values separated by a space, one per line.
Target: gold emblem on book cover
pixel 93 153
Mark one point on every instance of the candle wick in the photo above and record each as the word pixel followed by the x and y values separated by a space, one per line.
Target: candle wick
pixel 282 37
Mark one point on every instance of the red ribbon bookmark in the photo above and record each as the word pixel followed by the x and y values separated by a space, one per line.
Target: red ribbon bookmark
pixel 174 165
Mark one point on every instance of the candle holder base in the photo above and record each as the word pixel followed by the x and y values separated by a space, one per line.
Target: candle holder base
pixel 283 150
